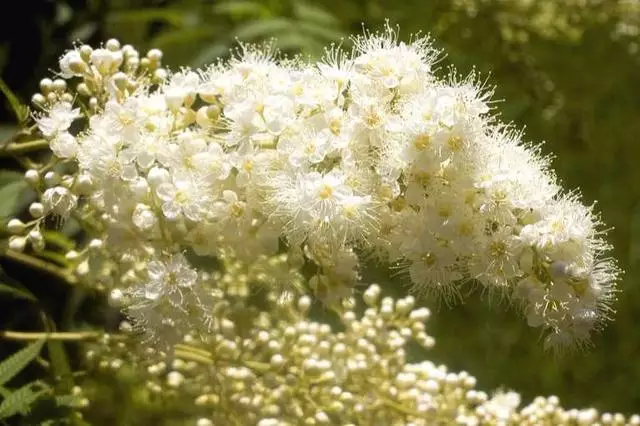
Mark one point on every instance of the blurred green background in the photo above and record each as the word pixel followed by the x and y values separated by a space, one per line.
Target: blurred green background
pixel 568 70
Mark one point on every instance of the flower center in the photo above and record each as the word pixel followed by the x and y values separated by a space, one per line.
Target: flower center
pixel 325 192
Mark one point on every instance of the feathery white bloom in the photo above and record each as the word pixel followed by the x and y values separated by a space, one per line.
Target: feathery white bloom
pixel 64 145
pixel 184 196
pixel 58 119
pixel 366 152
pixel 165 301
pixel 70 64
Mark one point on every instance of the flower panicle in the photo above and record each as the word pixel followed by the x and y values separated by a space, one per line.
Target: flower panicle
pixel 365 155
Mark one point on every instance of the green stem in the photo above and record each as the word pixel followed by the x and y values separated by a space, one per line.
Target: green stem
pixel 258 366
pixel 200 355
pixel 88 223
pixel 401 408
pixel 34 262
pixel 58 335
pixel 192 356
pixel 19 148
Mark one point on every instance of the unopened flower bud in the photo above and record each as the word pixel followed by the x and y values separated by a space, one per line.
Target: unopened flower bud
pixel 59 201
pixel 36 239
pixel 304 303
pixel 51 178
pixel 73 65
pixel 159 75
pixel 46 85
pixel 85 51
pixel 175 379
pixel 83 268
pixel 83 184
pixel 421 314
pixel 71 255
pixel 157 176
pixel 83 89
pixel 59 85
pixel 96 244
pixel 36 210
pixel 17 243
pixel 112 45
pixel 372 294
pixel 32 177
pixel 120 80
pixel 154 55
pixel 38 99
pixel 15 226
pixel 93 104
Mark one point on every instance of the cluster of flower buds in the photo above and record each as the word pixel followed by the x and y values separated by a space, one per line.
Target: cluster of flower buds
pixel 522 20
pixel 278 367
pixel 366 155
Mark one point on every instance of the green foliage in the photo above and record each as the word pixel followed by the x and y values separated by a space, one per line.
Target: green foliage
pixel 21 111
pixel 212 29
pixel 11 366
pixel 12 188
pixel 60 365
pixel 19 293
pixel 21 400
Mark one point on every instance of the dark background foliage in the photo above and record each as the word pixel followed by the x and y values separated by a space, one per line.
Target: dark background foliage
pixel 564 76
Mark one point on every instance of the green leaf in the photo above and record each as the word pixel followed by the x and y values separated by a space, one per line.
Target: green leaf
pixel 320 32
pixel 7 132
pixel 239 9
pixel 21 111
pixel 172 42
pixel 294 41
pixel 12 187
pixel 143 16
pixel 71 227
pixel 9 176
pixel 58 357
pixel 20 400
pixel 4 392
pixel 210 54
pixel 16 362
pixel 84 31
pixel 64 14
pixel 70 400
pixel 266 28
pixel 19 293
pixel 60 363
pixel 55 257
pixel 58 239
pixel 315 14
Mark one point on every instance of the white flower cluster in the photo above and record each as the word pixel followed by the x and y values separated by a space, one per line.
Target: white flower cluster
pixel 366 154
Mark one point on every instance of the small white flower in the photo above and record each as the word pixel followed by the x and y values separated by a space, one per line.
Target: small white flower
pixel 64 145
pixel 181 89
pixel 183 196
pixel 58 120
pixel 212 163
pixel 71 64
pixel 106 61
pixel 229 207
pixel 167 277
pixel 143 218
pixel 303 149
